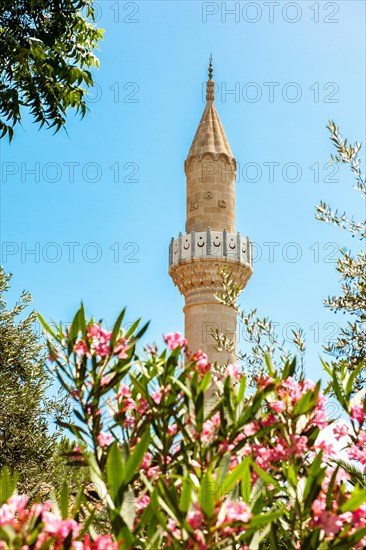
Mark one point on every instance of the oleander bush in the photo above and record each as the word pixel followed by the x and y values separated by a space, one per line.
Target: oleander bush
pixel 181 456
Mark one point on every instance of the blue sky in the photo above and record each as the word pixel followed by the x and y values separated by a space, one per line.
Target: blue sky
pixel 106 197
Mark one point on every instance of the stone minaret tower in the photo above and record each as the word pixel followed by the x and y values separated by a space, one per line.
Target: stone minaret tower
pixel 211 242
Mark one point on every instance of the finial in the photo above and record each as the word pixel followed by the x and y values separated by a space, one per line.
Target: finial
pixel 210 68
pixel 210 88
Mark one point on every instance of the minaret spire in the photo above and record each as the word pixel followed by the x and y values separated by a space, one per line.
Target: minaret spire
pixel 210 86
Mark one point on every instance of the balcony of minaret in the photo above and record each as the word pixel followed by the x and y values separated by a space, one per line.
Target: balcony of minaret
pixel 196 259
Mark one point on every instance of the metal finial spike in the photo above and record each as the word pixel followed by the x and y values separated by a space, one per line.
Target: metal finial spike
pixel 210 68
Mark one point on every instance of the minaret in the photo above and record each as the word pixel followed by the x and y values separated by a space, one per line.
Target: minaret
pixel 211 242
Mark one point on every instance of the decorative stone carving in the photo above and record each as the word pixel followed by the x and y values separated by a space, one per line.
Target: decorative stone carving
pixel 194 205
pixel 200 276
pixel 208 195
pixel 219 245
pixel 222 204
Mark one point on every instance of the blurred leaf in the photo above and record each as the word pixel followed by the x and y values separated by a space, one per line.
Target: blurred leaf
pixel 135 460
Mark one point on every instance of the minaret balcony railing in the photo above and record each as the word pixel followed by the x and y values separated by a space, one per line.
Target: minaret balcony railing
pixel 219 245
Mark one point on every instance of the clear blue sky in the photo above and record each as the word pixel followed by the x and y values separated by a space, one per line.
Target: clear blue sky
pixel 144 112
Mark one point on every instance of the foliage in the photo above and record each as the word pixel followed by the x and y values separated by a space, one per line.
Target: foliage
pixel 350 346
pixel 259 333
pixel 25 409
pixel 180 466
pixel 46 51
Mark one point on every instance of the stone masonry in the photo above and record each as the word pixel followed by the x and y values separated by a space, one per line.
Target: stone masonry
pixel 211 242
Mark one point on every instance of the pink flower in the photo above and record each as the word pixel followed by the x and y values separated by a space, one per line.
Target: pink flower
pixel 146 462
pixel 195 519
pixel 330 523
pixel 129 422
pixel 104 439
pixel 264 381
pixel 175 340
pixel 340 430
pixel 172 429
pixel 290 389
pixel 202 362
pixel 318 505
pixel 357 413
pixel 174 531
pixel 59 527
pixel 277 406
pixel 233 370
pixel 96 332
pixel 76 453
pixel 157 396
pixel 104 542
pixel 235 511
pixel 320 417
pixel 309 385
pixel 124 391
pixel 357 453
pixel 359 516
pixel 105 380
pixel 250 429
pixel 6 515
pixel 101 349
pixel 75 393
pixel 269 420
pixel 128 404
pixel 121 348
pixel 299 445
pixel 209 427
pixel 143 406
pixel 80 348
pixel 142 503
pixel 326 446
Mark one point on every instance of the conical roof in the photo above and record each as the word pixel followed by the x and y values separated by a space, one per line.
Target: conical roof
pixel 210 135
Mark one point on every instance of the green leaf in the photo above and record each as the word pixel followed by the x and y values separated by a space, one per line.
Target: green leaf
pixel 357 498
pixel 350 541
pixel 142 331
pixel 77 325
pixel 135 460
pixel 132 328
pixel 270 367
pixel 246 484
pixel 354 375
pixel 314 480
pixel 258 536
pixel 46 326
pixel 205 382
pixel 8 483
pixel 116 474
pixel 223 469
pixel 263 519
pixel 117 327
pixel 208 489
pixel 330 497
pixel 338 391
pixel 266 477
pixel 185 497
pixel 307 401
pixel 64 500
pixel 241 390
pixel 236 475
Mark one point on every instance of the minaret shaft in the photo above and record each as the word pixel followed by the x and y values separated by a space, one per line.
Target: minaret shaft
pixel 211 242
